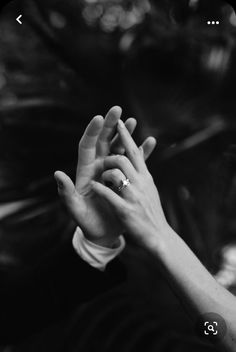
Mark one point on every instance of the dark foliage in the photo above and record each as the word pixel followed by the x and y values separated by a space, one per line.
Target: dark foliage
pixel 167 68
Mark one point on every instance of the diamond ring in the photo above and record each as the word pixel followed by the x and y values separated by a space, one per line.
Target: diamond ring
pixel 124 183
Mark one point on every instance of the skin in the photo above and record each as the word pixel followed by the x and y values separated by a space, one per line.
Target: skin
pixel 139 209
pixel 94 216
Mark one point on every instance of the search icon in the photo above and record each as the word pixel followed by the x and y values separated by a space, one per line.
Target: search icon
pixel 211 326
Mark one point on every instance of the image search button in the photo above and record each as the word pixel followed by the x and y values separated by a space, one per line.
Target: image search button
pixel 211 326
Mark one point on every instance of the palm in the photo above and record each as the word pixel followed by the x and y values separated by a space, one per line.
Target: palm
pixel 99 220
pixel 93 214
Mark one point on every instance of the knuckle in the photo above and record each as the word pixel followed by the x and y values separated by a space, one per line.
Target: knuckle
pixel 135 152
pixel 81 145
pixel 124 212
pixel 149 176
pixel 130 213
pixel 104 175
pixel 114 172
pixel 120 159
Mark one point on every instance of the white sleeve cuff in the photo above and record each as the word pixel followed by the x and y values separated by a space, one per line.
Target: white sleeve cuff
pixel 95 255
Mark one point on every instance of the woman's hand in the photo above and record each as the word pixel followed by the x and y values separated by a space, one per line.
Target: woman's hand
pixel 94 216
pixel 136 205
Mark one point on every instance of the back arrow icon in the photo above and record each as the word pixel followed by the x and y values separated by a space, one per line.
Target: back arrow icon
pixel 18 19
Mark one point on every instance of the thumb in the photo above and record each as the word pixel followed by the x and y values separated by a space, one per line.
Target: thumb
pixel 66 188
pixel 69 195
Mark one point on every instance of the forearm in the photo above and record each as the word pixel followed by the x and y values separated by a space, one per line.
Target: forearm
pixel 196 287
pixel 138 207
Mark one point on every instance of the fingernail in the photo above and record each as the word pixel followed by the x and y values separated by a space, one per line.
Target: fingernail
pixel 121 124
pixel 59 184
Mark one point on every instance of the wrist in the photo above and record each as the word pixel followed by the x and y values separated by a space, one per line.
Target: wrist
pixel 157 241
pixel 96 255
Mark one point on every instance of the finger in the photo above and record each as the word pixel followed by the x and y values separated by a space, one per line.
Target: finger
pixel 110 196
pixel 141 151
pixel 87 152
pixel 148 146
pixel 107 133
pixel 116 145
pixel 122 163
pixel 114 176
pixel 87 145
pixel 131 149
pixel 66 188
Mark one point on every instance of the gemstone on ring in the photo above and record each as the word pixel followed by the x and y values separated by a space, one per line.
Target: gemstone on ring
pixel 124 183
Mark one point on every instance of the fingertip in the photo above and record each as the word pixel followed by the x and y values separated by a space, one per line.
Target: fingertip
pixel 117 109
pixel 57 174
pixel 131 122
pixel 58 179
pixel 61 176
pixel 98 118
pixel 114 114
pixel 95 125
pixel 132 119
pixel 95 186
pixel 65 185
pixel 152 141
pixel 121 124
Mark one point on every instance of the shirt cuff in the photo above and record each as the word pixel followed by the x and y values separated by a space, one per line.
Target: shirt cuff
pixel 95 255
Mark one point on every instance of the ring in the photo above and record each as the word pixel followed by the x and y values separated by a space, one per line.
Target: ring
pixel 124 183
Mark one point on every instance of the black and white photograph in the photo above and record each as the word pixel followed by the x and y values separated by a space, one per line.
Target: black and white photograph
pixel 117 176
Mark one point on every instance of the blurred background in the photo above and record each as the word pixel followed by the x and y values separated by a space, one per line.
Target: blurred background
pixel 174 73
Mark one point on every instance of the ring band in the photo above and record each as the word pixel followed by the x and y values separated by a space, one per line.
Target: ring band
pixel 124 183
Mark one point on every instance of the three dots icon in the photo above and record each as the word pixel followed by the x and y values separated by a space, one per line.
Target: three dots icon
pixel 213 22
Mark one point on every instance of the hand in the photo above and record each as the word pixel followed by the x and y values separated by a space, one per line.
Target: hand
pixel 94 216
pixel 138 205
